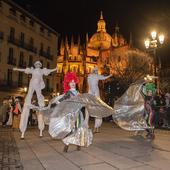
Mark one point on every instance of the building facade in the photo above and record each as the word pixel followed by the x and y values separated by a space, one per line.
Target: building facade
pixel 24 39
pixel 101 49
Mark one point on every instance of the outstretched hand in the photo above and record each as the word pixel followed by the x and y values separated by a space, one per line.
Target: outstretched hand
pixel 15 69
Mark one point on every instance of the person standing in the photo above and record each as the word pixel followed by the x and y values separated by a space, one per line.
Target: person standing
pixel 93 81
pixel 36 85
pixel 4 112
pixel 17 110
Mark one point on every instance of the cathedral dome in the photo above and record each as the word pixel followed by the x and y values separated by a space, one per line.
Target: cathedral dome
pixel 100 40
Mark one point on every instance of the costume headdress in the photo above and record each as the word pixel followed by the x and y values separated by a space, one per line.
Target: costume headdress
pixel 149 86
pixel 38 63
pixel 68 78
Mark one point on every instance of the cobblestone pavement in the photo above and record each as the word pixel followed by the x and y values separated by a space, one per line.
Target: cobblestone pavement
pixel 9 155
pixel 112 149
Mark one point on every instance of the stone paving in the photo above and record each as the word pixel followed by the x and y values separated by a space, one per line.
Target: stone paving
pixel 112 149
pixel 9 155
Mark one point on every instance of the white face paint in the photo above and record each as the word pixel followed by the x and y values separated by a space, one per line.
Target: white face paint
pixel 72 84
pixel 37 65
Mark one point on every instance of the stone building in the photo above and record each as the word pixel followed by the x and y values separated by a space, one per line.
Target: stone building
pixel 24 39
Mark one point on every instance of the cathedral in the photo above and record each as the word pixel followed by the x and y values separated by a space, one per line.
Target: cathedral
pixel 101 50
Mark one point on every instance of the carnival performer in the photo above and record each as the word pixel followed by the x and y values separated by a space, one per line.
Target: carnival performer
pixel 93 80
pixel 132 111
pixel 73 125
pixel 149 91
pixel 36 85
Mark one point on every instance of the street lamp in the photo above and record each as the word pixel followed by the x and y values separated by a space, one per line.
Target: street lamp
pixel 152 43
pixel 25 89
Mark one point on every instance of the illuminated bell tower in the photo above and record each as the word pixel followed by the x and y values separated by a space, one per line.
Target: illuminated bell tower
pixel 101 24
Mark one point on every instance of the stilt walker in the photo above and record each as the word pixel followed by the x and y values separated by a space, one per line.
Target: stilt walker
pixel 93 80
pixel 36 85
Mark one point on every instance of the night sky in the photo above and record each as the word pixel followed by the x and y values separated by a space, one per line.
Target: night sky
pixel 80 16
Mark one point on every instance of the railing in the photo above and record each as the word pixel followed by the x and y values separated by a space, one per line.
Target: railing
pixel 46 54
pixel 22 44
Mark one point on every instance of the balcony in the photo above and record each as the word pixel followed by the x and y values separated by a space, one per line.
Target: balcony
pixel 22 44
pixel 46 54
pixel 13 40
pixel 11 61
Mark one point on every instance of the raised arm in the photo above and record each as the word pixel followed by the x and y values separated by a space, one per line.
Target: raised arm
pixel 101 77
pixel 19 69
pixel 46 71
pixel 52 70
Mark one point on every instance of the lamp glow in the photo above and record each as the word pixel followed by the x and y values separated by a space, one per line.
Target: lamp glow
pixel 153 35
pixel 25 89
pixel 161 39
pixel 147 43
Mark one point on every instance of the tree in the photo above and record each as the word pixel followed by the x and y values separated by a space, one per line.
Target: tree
pixel 131 66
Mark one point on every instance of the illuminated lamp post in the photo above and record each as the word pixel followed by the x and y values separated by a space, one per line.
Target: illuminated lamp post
pixel 153 44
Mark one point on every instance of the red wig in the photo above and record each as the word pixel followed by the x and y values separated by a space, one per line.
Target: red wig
pixel 68 78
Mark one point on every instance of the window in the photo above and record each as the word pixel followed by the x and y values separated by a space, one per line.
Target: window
pixel 31 42
pixel 1 35
pixel 41 46
pixel 48 50
pixel 22 37
pixel 0 57
pixel 11 55
pixel 12 33
pixel 21 59
pixel 41 49
pixel 20 79
pixel 75 69
pixel 9 78
pixel 30 61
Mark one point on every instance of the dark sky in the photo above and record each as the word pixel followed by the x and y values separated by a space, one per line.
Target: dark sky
pixel 81 16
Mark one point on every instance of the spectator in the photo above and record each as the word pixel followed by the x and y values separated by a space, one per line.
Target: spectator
pixel 4 112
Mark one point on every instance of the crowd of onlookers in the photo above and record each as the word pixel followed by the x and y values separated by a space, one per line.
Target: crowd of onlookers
pixel 10 112
pixel 162 110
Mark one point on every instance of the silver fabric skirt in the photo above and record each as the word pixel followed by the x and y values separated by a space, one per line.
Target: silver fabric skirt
pixel 81 137
pixel 129 109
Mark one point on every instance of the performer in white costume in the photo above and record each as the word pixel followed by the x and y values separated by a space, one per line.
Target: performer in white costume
pixel 36 84
pixel 93 80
